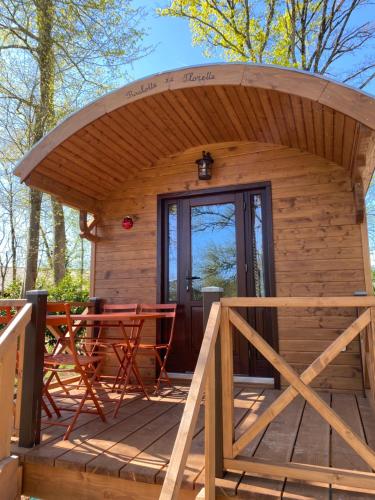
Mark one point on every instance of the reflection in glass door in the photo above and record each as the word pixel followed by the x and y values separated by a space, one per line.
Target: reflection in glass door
pixel 213 249
pixel 216 240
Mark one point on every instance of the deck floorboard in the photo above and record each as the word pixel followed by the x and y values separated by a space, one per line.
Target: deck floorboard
pixel 136 445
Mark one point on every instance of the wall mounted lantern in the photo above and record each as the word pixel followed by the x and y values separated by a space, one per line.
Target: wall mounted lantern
pixel 205 166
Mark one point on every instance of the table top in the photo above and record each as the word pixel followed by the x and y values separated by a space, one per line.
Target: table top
pixel 60 319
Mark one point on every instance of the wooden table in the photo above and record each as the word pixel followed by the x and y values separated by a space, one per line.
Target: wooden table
pixel 127 346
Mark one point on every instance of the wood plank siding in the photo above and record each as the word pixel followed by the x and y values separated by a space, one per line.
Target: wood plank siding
pixel 318 249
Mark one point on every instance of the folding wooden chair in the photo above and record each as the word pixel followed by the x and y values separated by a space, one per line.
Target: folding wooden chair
pixel 62 341
pixel 156 349
pixel 87 367
pixel 109 342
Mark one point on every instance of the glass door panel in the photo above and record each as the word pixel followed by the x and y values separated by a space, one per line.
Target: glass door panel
pixel 213 249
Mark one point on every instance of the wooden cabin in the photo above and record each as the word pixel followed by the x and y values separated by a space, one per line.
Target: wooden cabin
pixel 293 157
pixel 281 214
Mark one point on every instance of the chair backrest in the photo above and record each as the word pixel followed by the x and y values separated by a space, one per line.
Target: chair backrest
pixel 56 307
pixel 130 327
pixel 120 308
pixel 169 311
pixel 72 333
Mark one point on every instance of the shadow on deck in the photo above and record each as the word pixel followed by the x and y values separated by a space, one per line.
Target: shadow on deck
pixel 127 456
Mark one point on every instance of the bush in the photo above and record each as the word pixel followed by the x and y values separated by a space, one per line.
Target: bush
pixel 71 288
pixel 13 290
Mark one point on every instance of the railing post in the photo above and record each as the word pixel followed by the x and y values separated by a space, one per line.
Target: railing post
pixel 210 295
pixel 32 379
pixel 362 344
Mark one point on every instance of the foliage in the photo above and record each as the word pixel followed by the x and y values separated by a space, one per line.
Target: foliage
pixel 323 36
pixel 55 55
pixel 71 288
pixel 13 290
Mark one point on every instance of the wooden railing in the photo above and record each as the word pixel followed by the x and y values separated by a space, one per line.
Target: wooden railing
pixel 8 353
pixel 226 318
pixel 204 371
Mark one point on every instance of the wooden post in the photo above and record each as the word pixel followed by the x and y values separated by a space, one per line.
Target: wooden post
pixel 96 309
pixel 363 336
pixel 213 294
pixel 32 380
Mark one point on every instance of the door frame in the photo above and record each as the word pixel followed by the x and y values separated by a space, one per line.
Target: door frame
pixel 268 235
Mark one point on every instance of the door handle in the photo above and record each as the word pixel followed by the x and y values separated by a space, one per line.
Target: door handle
pixel 189 280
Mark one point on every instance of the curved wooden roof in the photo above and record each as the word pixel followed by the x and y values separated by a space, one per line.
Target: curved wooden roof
pixel 92 151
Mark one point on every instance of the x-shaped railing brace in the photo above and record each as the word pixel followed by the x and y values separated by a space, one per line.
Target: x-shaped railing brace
pixel 299 384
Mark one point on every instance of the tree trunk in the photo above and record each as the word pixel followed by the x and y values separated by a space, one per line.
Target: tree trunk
pixel 33 241
pixel 59 246
pixel 13 233
pixel 44 120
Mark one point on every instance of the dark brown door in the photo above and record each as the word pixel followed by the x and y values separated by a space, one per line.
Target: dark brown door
pixel 216 240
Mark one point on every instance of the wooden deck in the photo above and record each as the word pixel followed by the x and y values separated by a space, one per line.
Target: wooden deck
pixel 127 456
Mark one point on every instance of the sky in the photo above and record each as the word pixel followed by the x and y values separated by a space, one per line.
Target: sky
pixel 173 46
pixel 173 43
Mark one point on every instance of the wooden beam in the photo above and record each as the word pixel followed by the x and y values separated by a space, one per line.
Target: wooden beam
pixel 209 296
pixel 12 331
pixel 307 376
pixel 172 482
pixel 298 301
pixel 210 432
pixel 302 472
pixel 66 194
pixel 226 339
pixel 16 303
pixel 367 268
pixel 32 380
pixel 87 228
pixel 58 483
pixel 7 371
pixel 336 422
pixel 10 486
pixel 363 162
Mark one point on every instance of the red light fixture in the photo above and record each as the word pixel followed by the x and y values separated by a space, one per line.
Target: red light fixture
pixel 127 222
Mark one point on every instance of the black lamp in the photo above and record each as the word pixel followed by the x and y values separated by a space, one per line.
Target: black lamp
pixel 205 166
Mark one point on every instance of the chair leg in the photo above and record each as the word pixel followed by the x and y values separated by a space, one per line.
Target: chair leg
pixel 123 381
pixel 89 392
pixel 163 372
pixel 52 402
pixel 62 384
pixel 138 377
pixel 88 383
pixel 46 409
pixel 75 417
pixel 121 367
pixel 47 394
